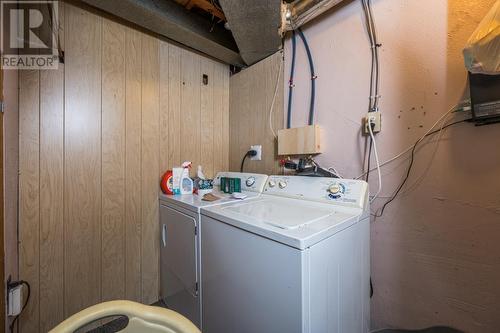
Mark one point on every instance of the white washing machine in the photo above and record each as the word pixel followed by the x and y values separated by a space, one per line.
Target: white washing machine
pixel 180 243
pixel 296 259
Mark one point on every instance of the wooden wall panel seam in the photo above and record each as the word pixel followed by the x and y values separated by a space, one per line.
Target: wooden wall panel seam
pixel 62 24
pixel 83 159
pixel 133 164
pixel 113 169
pixel 29 197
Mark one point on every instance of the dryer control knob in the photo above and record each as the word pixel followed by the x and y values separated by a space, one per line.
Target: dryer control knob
pixel 250 181
pixel 334 189
pixel 282 184
pixel 271 183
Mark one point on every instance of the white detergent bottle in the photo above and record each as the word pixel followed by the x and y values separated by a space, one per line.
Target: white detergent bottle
pixel 186 182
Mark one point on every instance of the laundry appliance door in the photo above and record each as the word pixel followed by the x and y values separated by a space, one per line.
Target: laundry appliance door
pixel 178 267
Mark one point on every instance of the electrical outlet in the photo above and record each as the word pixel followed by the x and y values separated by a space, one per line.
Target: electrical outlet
pixel 373 118
pixel 14 305
pixel 258 149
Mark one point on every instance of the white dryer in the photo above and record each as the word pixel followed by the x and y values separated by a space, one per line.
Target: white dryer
pixel 294 260
pixel 180 242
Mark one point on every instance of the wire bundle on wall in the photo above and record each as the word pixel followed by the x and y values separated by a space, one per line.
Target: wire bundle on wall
pixel 375 66
pixel 292 73
pixel 374 88
pixel 413 148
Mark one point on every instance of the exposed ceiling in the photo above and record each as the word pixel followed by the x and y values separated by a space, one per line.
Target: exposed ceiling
pixel 210 7
pixel 237 32
pixel 172 20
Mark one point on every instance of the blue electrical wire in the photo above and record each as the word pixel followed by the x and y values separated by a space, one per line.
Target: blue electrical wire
pixel 313 76
pixel 290 82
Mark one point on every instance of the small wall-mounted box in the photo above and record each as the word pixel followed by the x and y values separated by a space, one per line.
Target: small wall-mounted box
pixel 299 141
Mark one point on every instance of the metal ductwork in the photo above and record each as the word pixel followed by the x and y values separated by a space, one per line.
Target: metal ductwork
pixel 169 19
pixel 255 26
pixel 299 12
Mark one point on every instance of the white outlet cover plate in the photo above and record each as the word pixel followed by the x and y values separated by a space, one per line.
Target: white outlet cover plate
pixel 14 305
pixel 257 157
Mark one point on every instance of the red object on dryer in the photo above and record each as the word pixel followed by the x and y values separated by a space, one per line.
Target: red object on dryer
pixel 167 182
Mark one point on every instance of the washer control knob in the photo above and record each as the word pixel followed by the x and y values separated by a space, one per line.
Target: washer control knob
pixel 272 183
pixel 334 189
pixel 250 181
pixel 282 184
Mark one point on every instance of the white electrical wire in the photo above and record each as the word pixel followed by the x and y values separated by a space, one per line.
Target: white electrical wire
pixel 410 147
pixel 436 147
pixel 274 99
pixel 377 160
pixel 335 172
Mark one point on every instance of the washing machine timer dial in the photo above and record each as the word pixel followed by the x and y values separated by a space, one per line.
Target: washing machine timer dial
pixel 282 184
pixel 336 190
pixel 250 181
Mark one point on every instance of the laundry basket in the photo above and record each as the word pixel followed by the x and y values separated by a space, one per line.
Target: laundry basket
pixel 141 318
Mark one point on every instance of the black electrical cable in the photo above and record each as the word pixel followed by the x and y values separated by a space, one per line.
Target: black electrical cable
pixel 412 158
pixel 313 76
pixel 290 81
pixel 369 158
pixel 12 285
pixel 248 153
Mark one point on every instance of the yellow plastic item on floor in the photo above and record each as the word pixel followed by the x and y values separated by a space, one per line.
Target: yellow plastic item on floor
pixel 142 318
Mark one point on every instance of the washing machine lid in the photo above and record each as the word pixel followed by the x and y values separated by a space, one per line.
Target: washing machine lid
pixel 281 214
pixel 294 222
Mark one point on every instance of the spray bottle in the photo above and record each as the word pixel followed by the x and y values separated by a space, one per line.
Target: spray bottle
pixel 186 182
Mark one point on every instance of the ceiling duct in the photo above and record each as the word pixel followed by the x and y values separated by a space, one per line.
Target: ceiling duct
pixel 255 26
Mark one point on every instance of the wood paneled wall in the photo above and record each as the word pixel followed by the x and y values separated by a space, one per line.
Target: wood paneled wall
pixel 2 235
pixel 250 96
pixel 95 137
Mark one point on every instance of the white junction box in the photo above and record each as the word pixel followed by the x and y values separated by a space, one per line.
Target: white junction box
pixel 15 296
pixel 374 118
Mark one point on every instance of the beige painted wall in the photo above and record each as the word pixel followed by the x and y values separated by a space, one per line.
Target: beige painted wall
pixel 250 96
pixel 94 138
pixel 435 252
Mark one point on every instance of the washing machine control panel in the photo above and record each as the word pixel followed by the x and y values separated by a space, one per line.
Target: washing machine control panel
pixel 348 192
pixel 252 182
